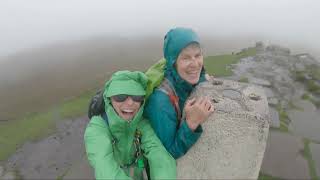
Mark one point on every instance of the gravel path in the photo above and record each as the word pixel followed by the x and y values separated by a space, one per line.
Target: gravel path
pixel 51 157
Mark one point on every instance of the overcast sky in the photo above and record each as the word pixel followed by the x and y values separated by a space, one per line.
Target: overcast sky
pixel 31 23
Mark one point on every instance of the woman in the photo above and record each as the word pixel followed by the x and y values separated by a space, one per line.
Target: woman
pixel 118 142
pixel 183 71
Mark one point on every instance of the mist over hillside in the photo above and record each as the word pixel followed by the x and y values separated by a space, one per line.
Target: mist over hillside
pixel 34 79
pixel 45 76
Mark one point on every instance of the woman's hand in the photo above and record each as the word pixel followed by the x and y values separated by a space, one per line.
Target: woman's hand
pixel 197 111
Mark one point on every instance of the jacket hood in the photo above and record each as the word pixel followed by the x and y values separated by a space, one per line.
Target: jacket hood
pixel 124 82
pixel 175 40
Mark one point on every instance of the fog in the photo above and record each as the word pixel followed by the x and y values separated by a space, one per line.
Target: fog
pixel 33 23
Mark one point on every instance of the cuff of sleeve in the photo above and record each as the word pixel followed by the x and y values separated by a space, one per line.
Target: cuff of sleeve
pixel 191 135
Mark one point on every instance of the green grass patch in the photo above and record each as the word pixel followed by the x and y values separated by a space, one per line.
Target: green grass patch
pixel 299 75
pixel 307 97
pixel 309 78
pixel 284 119
pixel 263 176
pixel 36 125
pixel 315 102
pixel 314 71
pixel 244 80
pixel 307 155
pixel 313 87
pixel 220 65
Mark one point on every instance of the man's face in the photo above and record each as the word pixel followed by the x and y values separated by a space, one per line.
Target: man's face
pixel 189 64
pixel 126 109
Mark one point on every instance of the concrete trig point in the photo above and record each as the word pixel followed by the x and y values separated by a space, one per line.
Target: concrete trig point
pixel 234 138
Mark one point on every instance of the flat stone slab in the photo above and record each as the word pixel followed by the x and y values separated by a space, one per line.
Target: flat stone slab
pixel 283 157
pixel 305 122
pixel 315 152
pixel 261 82
pixel 273 101
pixel 234 139
pixel 269 92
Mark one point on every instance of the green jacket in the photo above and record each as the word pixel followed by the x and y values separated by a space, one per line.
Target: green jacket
pixel 108 159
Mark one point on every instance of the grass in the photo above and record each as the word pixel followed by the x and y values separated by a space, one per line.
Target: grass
pixel 284 119
pixel 36 125
pixel 307 155
pixel 307 97
pixel 244 80
pixel 313 87
pixel 309 78
pixel 220 65
pixel 263 176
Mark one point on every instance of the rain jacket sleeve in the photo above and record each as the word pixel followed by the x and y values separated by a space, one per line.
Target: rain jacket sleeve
pixel 162 164
pixel 164 121
pixel 99 151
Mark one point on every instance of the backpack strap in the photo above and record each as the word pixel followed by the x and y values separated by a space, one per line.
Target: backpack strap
pixel 168 89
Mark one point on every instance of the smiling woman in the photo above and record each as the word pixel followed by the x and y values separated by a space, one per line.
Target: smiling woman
pixel 184 70
pixel 120 143
pixel 126 106
pixel 190 62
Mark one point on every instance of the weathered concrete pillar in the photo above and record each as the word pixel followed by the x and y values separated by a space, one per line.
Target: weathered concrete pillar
pixel 234 138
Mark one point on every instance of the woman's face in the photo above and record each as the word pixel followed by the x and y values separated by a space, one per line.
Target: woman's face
pixel 189 64
pixel 126 106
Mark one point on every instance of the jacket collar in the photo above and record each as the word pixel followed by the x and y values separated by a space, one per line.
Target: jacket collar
pixel 119 126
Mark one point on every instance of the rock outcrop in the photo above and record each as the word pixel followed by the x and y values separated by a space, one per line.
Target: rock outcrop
pixel 234 139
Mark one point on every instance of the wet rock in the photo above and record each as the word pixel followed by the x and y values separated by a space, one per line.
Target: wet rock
pixel 269 92
pixel 283 157
pixel 274 116
pixel 260 47
pixel 261 82
pixel 232 94
pixel 278 50
pixel 9 176
pixel 273 101
pixel 234 137
pixel 305 122
pixel 300 67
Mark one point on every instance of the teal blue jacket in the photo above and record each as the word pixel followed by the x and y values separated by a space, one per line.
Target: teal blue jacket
pixel 159 109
